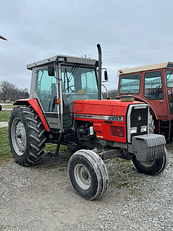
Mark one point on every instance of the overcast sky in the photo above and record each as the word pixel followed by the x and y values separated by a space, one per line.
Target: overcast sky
pixel 131 33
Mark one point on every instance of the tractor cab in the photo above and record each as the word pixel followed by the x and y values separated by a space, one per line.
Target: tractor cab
pixel 57 82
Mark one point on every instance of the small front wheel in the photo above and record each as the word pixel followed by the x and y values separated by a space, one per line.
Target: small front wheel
pixel 152 167
pixel 88 174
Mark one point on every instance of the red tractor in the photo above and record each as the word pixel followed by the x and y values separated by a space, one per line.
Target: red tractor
pixel 152 84
pixel 66 107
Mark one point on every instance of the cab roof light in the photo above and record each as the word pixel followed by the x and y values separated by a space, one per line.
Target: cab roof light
pixel 62 59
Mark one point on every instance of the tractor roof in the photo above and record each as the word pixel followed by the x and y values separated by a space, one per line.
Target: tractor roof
pixel 146 67
pixel 63 59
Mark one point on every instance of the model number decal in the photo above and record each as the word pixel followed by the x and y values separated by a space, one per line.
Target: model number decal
pixel 100 117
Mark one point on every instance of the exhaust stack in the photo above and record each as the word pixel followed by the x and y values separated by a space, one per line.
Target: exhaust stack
pixel 99 70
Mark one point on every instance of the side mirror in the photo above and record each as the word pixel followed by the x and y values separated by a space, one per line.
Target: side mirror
pixel 105 75
pixel 51 70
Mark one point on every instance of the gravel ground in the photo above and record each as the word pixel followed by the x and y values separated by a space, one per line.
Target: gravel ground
pixel 42 198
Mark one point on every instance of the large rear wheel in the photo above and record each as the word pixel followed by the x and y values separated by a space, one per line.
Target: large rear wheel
pixel 88 174
pixel 26 136
pixel 153 167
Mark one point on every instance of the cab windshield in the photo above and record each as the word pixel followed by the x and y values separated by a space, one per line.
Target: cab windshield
pixel 79 81
pixel 130 84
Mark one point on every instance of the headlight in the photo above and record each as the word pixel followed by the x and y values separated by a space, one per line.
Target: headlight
pixel 143 128
pixel 133 130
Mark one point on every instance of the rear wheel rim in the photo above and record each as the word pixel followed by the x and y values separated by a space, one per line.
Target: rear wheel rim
pixel 18 136
pixel 82 176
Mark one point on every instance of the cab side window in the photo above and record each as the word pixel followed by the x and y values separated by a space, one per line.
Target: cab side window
pixel 46 90
pixel 153 89
pixel 169 78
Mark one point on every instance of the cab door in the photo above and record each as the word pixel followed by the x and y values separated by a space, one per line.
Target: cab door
pixel 46 94
pixel 154 92
pixel 78 83
pixel 68 88
pixel 169 85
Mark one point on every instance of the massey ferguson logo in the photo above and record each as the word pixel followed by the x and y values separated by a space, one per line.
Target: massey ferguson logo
pixel 139 118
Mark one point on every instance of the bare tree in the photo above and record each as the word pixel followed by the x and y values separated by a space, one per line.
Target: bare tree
pixel 23 93
pixel 5 87
pixel 111 94
pixel 9 91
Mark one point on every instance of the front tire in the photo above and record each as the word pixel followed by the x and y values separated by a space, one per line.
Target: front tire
pixel 151 124
pixel 88 174
pixel 153 167
pixel 26 136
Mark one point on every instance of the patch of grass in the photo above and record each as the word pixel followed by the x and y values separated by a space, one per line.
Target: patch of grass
pixel 5 151
pixel 8 106
pixel 169 147
pixel 4 115
pixel 51 147
pixel 63 148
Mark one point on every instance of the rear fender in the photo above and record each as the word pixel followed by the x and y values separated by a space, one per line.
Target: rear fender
pixel 34 104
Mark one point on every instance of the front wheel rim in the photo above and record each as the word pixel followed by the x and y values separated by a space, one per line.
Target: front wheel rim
pixel 18 136
pixel 82 176
pixel 147 164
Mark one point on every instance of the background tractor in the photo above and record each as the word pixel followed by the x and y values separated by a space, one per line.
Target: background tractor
pixel 66 107
pixel 152 84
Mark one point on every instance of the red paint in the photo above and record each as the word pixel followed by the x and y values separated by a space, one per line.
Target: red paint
pixel 104 129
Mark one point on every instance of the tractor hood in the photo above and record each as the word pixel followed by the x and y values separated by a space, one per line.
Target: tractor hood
pixel 108 117
pixel 114 110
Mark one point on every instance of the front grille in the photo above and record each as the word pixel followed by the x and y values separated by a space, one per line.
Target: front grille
pixel 117 131
pixel 139 117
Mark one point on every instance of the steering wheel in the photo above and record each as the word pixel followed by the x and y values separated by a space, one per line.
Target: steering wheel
pixel 157 90
pixel 70 87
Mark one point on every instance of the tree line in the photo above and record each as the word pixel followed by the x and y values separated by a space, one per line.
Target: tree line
pixel 10 92
pixel 110 94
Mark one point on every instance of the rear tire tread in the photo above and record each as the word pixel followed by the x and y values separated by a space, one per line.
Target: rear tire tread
pixel 35 135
